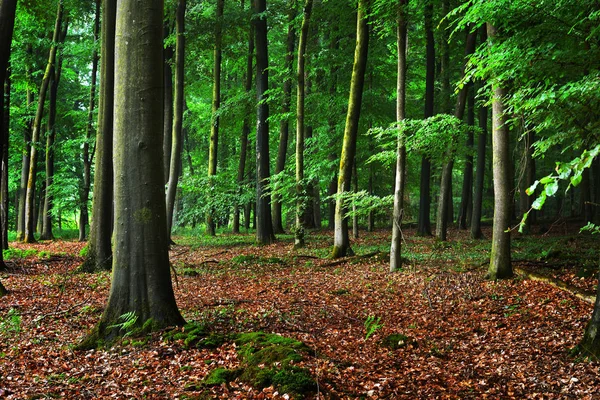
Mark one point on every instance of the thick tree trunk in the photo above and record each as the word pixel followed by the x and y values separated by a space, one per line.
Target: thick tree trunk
pixel 301 197
pixel 423 218
pixel 444 203
pixel 216 104
pixel 99 256
pixel 500 263
pixel 176 143
pixel 35 136
pixel 245 130
pixel 341 242
pixel 400 180
pixel 284 125
pixel 264 226
pixel 141 281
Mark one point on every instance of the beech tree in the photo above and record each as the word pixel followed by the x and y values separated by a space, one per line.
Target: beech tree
pixel 141 280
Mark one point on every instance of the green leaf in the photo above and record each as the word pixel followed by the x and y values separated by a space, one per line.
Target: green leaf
pixel 531 189
pixel 551 188
pixel 539 202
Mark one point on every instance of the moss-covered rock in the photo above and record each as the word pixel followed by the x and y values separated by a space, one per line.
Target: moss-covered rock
pixel 295 381
pixel 219 376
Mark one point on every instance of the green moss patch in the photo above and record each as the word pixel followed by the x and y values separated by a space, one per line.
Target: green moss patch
pixel 219 376
pixel 397 341
pixel 197 336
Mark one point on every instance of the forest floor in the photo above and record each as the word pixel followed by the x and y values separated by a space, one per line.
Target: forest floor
pixel 465 337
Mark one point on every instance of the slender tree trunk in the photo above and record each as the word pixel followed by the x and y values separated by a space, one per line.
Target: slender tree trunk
pixel 245 130
pixel 264 226
pixel 216 104
pixel 301 197
pixel 141 281
pixel 527 180
pixel 176 149
pixel 500 263
pixel 284 125
pixel 341 243
pixel 354 208
pixel 466 197
pixel 400 180
pixel 35 137
pixel 99 255
pixel 168 99
pixel 444 214
pixel 423 218
pixel 4 137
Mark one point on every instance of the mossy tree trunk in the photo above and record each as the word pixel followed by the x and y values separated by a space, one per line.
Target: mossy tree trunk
pixel 400 180
pixel 176 137
pixel 216 104
pixel 46 207
pixel 500 262
pixel 301 196
pixel 264 226
pixel 444 203
pixel 141 281
pixel 245 129
pixel 284 125
pixel 99 255
pixel 35 136
pixel 87 156
pixel 341 240
pixel 424 217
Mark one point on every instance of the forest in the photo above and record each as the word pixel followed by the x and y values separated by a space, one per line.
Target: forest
pixel 327 199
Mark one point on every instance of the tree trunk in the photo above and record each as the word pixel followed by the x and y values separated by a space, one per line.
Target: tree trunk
pixel 466 197
pixel 341 242
pixel 245 130
pixel 216 104
pixel 4 137
pixel 176 143
pixel 590 344
pixel 264 226
pixel 500 263
pixel 301 197
pixel 99 255
pixel 35 137
pixel 354 208
pixel 141 281
pixel 285 109
pixel 445 199
pixel 168 99
pixel 400 180
pixel 527 180
pixel 423 218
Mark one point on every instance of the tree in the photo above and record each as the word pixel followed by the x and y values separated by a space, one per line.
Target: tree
pixel 341 241
pixel 37 124
pixel 99 254
pixel 401 36
pixel 141 282
pixel 177 137
pixel 7 20
pixel 300 129
pixel 264 226
pixel 500 264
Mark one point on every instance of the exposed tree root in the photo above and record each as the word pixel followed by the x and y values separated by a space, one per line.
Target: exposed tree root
pixel 575 291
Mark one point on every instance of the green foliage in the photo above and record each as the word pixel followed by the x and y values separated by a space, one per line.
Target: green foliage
pixel 10 324
pixel 372 325
pixel 396 341
pixel 127 324
pixel 218 376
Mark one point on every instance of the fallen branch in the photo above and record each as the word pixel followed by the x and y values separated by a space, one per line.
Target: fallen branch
pixel 66 311
pixel 557 283
pixel 351 258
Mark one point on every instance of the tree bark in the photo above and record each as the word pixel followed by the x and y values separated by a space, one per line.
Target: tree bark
pixel 284 125
pixel 528 177
pixel 341 242
pixel 176 143
pixel 264 226
pixel 141 281
pixel 301 197
pixel 4 137
pixel 99 255
pixel 216 104
pixel 168 99
pixel 400 180
pixel 466 197
pixel 590 344
pixel 423 218
pixel 500 262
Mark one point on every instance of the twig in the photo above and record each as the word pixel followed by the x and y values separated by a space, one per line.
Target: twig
pixel 346 259
pixel 66 311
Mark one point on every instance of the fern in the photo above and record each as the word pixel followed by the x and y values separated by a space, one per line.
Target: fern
pixel 128 322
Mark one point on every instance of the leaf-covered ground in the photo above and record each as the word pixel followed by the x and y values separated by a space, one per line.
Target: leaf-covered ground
pixel 467 337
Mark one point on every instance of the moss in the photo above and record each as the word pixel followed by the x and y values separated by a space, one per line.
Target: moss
pixel 295 381
pixel 258 377
pixel 219 376
pixel 143 215
pixel 273 354
pixel 397 341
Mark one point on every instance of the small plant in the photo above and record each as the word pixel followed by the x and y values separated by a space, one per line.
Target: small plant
pixel 372 324
pixel 128 322
pixel 10 325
